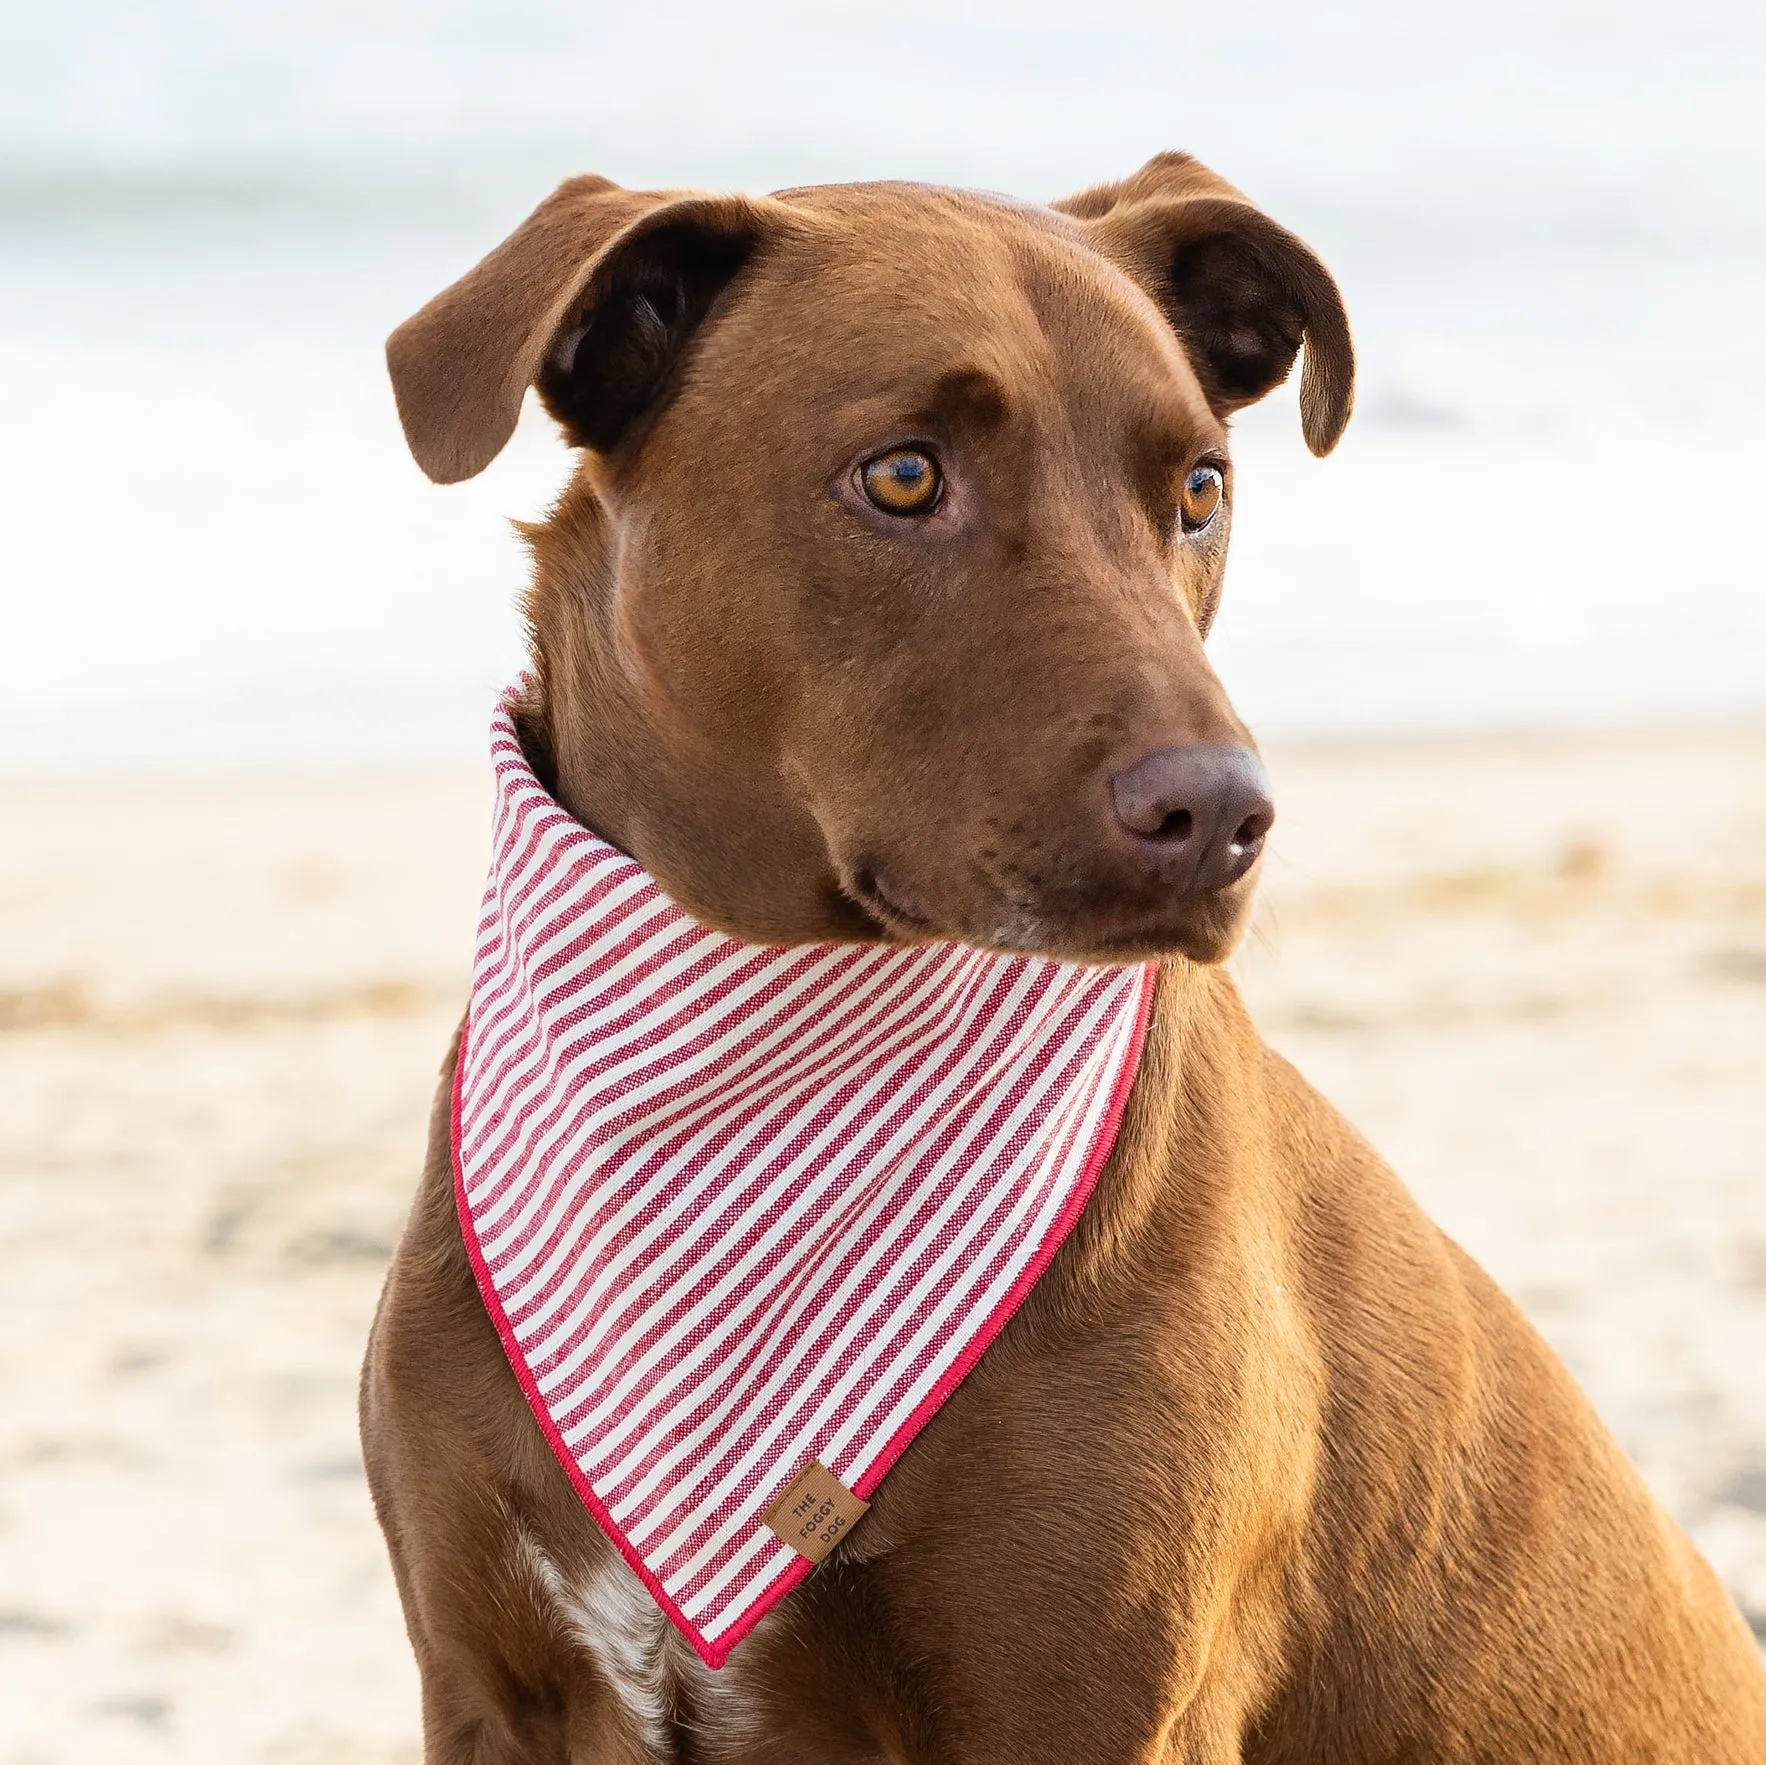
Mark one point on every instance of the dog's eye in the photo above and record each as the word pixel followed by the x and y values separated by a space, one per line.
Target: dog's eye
pixel 1200 497
pixel 903 481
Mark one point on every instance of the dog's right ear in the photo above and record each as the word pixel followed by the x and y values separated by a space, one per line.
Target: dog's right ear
pixel 590 300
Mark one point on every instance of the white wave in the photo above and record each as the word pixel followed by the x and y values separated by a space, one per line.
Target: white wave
pixel 1550 222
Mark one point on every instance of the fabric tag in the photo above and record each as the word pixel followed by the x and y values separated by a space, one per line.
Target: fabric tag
pixel 816 1511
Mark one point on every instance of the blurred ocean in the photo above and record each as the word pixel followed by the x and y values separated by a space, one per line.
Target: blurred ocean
pixel 1549 220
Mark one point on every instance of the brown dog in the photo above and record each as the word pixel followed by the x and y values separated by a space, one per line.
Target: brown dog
pixel 1264 1469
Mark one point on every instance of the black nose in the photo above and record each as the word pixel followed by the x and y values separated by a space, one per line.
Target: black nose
pixel 1195 816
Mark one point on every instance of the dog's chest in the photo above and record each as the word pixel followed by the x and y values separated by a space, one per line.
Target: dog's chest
pixel 661 1687
pixel 604 1611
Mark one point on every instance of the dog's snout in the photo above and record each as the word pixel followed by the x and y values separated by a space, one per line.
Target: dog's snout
pixel 1196 816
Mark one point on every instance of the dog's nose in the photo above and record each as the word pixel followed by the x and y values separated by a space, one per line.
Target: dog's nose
pixel 1197 816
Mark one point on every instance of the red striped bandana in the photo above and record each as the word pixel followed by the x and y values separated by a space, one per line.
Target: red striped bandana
pixel 735 1209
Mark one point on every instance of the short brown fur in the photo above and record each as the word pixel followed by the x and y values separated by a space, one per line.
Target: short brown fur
pixel 1265 1469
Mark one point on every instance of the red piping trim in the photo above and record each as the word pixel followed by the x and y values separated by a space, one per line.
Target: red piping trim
pixel 714 1651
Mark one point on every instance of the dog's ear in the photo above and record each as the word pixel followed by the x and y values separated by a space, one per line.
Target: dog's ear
pixel 1168 175
pixel 590 300
pixel 1242 292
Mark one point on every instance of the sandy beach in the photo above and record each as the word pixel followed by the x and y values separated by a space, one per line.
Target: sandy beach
pixel 1532 970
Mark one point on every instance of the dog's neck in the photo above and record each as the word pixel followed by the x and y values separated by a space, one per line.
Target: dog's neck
pixel 713 815
pixel 585 735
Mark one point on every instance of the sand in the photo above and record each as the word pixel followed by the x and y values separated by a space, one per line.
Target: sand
pixel 1534 971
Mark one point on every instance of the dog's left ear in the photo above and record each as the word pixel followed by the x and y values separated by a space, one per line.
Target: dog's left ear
pixel 1242 292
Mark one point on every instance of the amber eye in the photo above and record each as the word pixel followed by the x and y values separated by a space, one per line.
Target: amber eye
pixel 903 481
pixel 1200 497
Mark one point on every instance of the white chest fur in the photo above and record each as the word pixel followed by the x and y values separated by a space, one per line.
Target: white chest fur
pixel 607 1612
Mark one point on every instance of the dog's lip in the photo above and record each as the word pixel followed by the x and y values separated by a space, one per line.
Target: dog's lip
pixel 1103 929
pixel 1192 932
pixel 1085 936
pixel 874 895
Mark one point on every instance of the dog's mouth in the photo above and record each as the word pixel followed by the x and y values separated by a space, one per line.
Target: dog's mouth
pixel 868 891
pixel 1204 929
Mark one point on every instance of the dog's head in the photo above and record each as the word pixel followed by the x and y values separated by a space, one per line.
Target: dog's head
pixel 876 607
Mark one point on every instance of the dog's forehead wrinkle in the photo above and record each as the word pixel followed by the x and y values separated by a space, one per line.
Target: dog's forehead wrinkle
pixel 1113 364
pixel 908 292
pixel 932 250
pixel 908 195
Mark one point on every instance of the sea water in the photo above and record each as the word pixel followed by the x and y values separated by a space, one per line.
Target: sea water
pixel 1549 221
